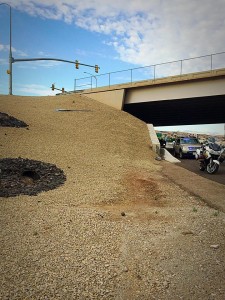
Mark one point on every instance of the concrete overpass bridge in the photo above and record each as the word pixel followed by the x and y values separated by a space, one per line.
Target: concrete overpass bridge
pixel 195 98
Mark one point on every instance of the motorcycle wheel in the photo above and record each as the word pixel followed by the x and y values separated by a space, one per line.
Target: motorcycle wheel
pixel 212 168
pixel 202 167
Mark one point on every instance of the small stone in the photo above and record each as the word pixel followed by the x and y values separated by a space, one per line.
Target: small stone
pixel 166 284
pixel 214 246
pixel 158 158
pixel 123 213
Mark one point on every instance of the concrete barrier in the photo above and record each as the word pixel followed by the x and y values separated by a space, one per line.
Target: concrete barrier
pixel 165 154
pixel 154 139
pixel 162 152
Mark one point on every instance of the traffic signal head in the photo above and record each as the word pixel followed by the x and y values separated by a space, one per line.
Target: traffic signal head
pixel 77 64
pixel 53 86
pixel 96 68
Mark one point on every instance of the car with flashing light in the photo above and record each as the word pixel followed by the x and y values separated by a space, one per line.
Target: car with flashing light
pixel 185 146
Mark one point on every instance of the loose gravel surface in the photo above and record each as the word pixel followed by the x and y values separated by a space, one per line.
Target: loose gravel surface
pixel 117 228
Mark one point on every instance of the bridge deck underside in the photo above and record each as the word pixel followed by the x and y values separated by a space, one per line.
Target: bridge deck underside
pixel 202 110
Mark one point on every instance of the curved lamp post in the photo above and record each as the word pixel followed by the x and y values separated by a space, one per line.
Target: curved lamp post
pixel 10 48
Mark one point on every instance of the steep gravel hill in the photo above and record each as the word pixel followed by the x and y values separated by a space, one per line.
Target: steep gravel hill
pixel 115 227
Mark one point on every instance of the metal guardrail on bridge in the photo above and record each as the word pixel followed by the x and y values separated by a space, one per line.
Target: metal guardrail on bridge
pixel 152 72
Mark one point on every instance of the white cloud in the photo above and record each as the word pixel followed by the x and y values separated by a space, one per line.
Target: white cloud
pixel 38 64
pixel 43 54
pixel 143 32
pixel 4 47
pixel 213 129
pixel 34 89
pixel 20 53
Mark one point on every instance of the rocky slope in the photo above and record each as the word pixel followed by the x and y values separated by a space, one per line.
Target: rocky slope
pixel 117 228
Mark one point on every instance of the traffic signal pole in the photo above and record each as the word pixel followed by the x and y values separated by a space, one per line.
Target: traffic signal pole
pixel 54 88
pixel 9 71
pixel 14 60
pixel 76 63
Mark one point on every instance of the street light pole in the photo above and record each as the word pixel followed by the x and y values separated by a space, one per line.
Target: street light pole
pixel 10 48
pixel 10 53
pixel 93 76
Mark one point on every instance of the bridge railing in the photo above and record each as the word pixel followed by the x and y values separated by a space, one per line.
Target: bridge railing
pixel 152 72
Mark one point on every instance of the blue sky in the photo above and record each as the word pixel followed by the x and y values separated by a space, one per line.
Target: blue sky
pixel 116 35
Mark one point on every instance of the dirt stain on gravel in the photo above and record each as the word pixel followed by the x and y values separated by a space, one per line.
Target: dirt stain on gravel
pixel 141 189
pixel 140 201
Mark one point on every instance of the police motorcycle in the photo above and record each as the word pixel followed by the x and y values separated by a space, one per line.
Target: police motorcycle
pixel 210 156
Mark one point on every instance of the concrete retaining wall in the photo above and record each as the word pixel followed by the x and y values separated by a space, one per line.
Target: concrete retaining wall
pixel 113 98
pixel 154 139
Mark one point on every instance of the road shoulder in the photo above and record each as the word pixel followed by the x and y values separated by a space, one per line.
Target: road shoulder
pixel 211 192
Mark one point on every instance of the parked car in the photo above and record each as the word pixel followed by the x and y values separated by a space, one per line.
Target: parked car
pixel 169 142
pixel 185 146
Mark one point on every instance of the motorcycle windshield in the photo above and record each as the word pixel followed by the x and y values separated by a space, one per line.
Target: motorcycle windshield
pixel 214 147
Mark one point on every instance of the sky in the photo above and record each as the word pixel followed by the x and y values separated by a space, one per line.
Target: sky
pixel 116 35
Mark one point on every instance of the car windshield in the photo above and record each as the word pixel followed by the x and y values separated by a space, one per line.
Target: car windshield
pixel 189 141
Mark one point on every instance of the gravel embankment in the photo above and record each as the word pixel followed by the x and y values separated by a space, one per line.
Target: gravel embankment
pixel 117 228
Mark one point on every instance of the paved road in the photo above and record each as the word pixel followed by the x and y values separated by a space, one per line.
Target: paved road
pixel 193 166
